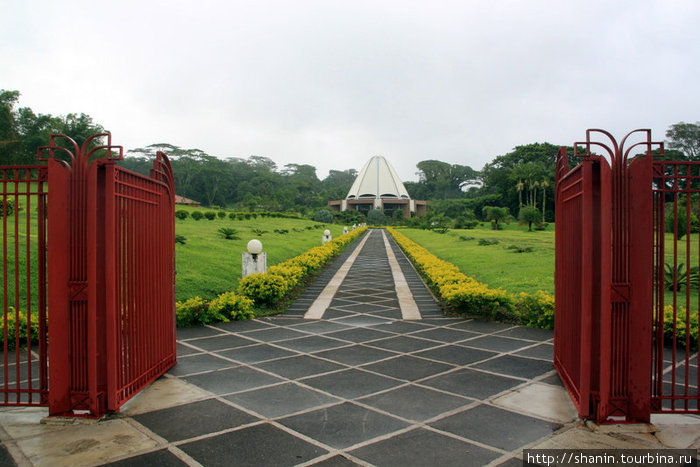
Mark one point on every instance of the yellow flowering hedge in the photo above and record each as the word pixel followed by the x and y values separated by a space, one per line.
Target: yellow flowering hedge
pixel 271 287
pixel 681 329
pixel 462 294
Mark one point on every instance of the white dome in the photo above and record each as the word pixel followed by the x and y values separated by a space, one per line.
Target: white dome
pixel 377 179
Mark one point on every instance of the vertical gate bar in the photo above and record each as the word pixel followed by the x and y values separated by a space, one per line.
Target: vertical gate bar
pixel 586 358
pixel 28 281
pixel 641 270
pixel 675 282
pixel 5 302
pixel 108 287
pixel 687 284
pixel 41 231
pixel 17 281
pixel 59 265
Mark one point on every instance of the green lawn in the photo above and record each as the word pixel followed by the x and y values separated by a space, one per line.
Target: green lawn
pixel 208 264
pixel 498 264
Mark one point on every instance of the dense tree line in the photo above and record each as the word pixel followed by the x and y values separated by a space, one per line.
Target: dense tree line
pixel 521 181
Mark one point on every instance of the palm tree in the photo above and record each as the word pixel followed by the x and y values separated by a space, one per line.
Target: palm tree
pixel 544 185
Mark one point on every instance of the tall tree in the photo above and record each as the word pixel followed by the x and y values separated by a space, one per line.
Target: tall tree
pixel 445 180
pixel 685 137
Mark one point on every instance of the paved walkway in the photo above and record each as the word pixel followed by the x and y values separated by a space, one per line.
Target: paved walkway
pixel 356 372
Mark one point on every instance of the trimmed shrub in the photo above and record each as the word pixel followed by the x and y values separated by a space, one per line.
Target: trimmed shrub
pixel 535 310
pixel 182 214
pixel 221 214
pixel 211 215
pixel 232 307
pixel 263 288
pixel 193 312
pixel 196 215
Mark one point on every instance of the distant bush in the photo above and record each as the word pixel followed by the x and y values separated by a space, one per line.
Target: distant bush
pixel 182 214
pixel 181 239
pixel 228 233
pixel 324 216
pixel 376 217
pixel 17 323
pixel 211 215
pixel 486 241
pixel 196 215
pixel 221 214
pixel 233 216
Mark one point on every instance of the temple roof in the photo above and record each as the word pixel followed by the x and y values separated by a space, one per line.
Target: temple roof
pixel 377 179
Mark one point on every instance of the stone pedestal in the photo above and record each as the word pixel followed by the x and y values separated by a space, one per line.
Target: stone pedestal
pixel 254 263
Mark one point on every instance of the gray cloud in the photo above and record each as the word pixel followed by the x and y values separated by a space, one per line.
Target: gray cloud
pixel 331 83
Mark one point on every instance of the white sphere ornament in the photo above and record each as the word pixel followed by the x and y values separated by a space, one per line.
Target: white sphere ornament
pixel 255 247
pixel 326 232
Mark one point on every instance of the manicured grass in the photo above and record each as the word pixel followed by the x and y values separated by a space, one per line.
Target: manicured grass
pixel 208 264
pixel 496 265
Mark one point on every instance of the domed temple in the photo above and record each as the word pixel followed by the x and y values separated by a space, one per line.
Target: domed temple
pixel 378 186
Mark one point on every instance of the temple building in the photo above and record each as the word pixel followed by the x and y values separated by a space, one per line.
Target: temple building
pixel 377 186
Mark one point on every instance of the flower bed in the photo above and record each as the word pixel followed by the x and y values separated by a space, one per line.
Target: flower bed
pixel 465 295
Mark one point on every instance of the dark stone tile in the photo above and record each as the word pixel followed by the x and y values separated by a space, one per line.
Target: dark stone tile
pixel 225 341
pixel 335 461
pixel 422 447
pixel 343 425
pixel 256 353
pixel 355 355
pixel 232 380
pixel 498 344
pixel 472 383
pixel 456 354
pixel 408 368
pixel 553 379
pixel 365 308
pixel 183 350
pixel 404 344
pixel 362 320
pixel 358 334
pixel 351 383
pixel 405 327
pixel 195 419
pixel 477 325
pixel 496 427
pixel 299 366
pixel 277 333
pixel 244 325
pixel 196 332
pixel 280 400
pixel 445 335
pixel 5 457
pixel 162 458
pixel 333 313
pixel 521 367
pixel 533 334
pixel 254 446
pixel 311 344
pixel 541 351
pixel 199 363
pixel 320 326
pixel 415 402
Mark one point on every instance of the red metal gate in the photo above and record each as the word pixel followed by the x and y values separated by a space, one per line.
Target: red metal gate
pixel 675 377
pixel 603 278
pixel 24 376
pixel 110 278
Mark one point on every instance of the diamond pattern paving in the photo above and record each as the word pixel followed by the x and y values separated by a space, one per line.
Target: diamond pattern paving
pixel 361 386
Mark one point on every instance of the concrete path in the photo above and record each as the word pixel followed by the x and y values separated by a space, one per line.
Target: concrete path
pixel 363 369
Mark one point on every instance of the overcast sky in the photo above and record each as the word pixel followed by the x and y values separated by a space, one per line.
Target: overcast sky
pixel 332 83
